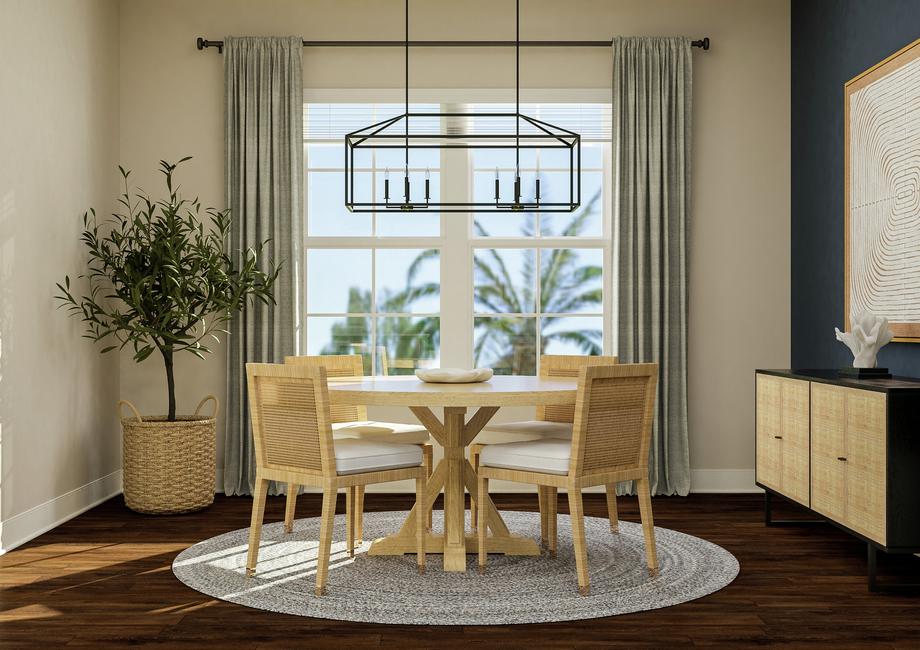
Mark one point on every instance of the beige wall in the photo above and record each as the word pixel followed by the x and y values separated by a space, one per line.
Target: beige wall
pixel 58 154
pixel 739 247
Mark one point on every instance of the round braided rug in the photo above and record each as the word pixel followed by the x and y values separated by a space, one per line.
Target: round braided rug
pixel 386 589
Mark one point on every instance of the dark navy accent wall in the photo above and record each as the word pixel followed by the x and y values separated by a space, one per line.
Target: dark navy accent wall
pixel 832 42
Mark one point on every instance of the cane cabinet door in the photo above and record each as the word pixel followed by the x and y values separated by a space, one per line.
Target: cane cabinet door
pixel 866 463
pixel 828 450
pixel 782 436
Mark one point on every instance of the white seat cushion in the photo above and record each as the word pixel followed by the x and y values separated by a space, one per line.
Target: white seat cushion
pixel 550 456
pixel 410 434
pixel 534 429
pixel 354 456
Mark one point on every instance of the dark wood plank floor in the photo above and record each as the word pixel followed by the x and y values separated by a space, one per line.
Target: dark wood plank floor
pixel 104 579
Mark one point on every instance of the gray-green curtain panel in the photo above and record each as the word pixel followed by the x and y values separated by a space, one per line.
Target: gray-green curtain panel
pixel 652 80
pixel 264 141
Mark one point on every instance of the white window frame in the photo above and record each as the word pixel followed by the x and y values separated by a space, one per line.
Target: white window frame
pixel 456 241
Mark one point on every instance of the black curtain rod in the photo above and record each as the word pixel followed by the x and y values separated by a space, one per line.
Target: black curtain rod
pixel 202 43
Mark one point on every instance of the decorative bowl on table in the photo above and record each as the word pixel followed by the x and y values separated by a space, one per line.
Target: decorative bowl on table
pixel 453 375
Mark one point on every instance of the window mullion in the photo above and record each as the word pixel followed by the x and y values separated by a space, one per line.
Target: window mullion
pixel 456 264
pixel 538 303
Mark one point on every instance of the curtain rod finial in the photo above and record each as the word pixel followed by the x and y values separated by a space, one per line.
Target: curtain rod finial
pixel 203 44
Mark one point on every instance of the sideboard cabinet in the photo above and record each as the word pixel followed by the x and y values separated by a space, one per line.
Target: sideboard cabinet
pixel 846 449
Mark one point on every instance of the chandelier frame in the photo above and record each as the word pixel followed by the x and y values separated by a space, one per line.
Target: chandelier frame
pixel 395 133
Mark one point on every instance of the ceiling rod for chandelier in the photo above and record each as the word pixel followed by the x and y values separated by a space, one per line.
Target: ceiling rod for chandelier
pixel 406 184
pixel 517 108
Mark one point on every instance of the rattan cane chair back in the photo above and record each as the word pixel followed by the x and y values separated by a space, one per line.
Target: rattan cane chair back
pixel 290 417
pixel 566 365
pixel 337 366
pixel 613 418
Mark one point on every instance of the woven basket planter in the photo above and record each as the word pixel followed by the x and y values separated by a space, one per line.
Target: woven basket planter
pixel 169 467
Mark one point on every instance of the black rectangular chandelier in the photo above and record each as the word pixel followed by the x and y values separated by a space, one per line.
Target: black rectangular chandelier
pixel 475 130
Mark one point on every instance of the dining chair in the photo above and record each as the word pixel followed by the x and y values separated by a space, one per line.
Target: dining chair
pixel 550 422
pixel 351 422
pixel 291 425
pixel 388 364
pixel 611 434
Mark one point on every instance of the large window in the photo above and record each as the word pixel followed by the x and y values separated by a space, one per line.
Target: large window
pixel 453 289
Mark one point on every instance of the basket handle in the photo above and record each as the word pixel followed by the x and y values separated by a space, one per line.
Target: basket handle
pixel 202 403
pixel 133 409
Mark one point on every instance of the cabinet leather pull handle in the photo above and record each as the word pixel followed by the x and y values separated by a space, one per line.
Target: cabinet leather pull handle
pixel 778 437
pixel 840 458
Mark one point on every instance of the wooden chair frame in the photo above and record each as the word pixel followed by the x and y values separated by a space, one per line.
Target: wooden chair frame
pixel 387 364
pixel 286 442
pixel 344 366
pixel 556 365
pixel 587 463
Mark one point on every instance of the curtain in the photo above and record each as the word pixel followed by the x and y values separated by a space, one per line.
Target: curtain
pixel 264 176
pixel 651 147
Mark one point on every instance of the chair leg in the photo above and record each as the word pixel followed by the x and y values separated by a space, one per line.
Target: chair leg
pixel 648 525
pixel 552 512
pixel 290 505
pixel 428 464
pixel 359 514
pixel 577 515
pixel 350 507
pixel 475 450
pixel 421 528
pixel 612 512
pixel 541 504
pixel 255 524
pixel 483 490
pixel 325 540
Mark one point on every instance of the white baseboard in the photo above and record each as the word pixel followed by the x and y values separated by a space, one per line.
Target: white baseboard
pixel 21 528
pixel 702 481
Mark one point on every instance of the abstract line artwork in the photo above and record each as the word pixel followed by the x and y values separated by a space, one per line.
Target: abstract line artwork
pixel 882 192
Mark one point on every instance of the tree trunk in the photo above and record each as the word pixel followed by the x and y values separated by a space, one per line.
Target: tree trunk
pixel 170 382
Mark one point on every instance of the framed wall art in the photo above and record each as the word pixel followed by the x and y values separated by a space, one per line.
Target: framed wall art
pixel 882 193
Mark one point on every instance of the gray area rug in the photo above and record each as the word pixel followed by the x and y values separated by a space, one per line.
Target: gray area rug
pixel 513 590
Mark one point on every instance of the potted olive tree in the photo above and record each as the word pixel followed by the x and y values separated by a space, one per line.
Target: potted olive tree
pixel 160 282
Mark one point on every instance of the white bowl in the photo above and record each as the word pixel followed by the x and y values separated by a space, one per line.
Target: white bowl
pixel 453 375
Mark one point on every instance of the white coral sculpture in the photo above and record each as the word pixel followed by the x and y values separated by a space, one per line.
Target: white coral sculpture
pixel 869 335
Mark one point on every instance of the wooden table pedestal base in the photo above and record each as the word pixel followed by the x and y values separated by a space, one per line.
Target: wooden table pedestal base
pixel 452 475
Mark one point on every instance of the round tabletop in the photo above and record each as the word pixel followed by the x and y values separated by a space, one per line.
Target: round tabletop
pixel 410 391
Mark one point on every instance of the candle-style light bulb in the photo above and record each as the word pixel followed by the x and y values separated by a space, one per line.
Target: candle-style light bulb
pixel 427 184
pixel 538 183
pixel 496 186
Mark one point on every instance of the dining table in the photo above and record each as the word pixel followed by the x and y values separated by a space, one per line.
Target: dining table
pixel 454 432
